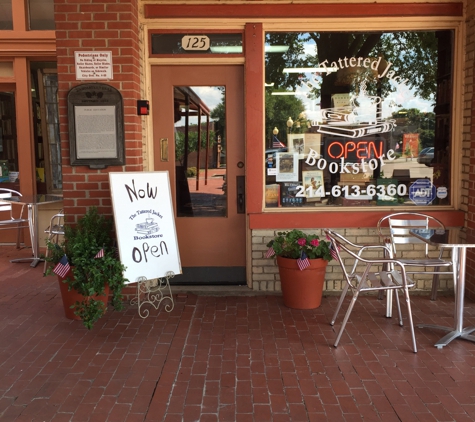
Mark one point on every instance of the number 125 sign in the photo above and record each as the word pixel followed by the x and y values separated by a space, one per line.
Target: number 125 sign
pixel 195 42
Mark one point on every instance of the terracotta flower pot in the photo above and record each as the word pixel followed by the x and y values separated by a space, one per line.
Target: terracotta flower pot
pixel 70 297
pixel 302 289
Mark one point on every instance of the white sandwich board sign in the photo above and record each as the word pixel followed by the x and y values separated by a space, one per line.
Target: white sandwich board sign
pixel 145 224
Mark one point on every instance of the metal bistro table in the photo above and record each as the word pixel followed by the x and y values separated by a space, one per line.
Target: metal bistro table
pixel 450 239
pixel 32 201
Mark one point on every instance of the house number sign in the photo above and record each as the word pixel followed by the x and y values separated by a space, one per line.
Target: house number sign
pixel 195 42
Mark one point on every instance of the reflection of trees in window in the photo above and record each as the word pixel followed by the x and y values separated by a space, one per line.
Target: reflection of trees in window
pixel 218 114
pixel 192 141
pixel 413 57
pixel 278 110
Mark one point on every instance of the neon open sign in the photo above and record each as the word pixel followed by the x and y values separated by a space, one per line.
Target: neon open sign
pixel 352 151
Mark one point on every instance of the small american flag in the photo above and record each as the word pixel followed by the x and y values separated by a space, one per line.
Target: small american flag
pixel 100 254
pixel 276 143
pixel 303 262
pixel 333 252
pixel 270 252
pixel 62 267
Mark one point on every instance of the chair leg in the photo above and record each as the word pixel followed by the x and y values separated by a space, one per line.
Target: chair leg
pixel 18 237
pixel 411 323
pixel 347 316
pixel 435 285
pixel 398 307
pixel 342 298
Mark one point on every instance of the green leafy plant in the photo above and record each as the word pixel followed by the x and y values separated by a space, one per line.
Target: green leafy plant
pixel 90 274
pixel 291 244
pixel 191 172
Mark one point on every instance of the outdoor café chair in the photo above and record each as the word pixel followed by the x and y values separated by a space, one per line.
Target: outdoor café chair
pixel 394 230
pixel 13 217
pixel 368 274
pixel 53 232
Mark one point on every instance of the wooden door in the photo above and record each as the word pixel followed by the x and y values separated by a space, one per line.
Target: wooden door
pixel 209 202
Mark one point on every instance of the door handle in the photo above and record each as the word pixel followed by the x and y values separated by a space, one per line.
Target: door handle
pixel 241 196
pixel 164 149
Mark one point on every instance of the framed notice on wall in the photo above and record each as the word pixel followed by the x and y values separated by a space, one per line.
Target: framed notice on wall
pixel 96 126
pixel 145 224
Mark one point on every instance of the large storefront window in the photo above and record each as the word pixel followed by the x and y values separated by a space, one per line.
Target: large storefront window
pixel 358 119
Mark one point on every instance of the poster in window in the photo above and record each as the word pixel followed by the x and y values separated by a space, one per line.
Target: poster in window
pixel 312 141
pixel 288 195
pixel 312 181
pixel 287 167
pixel 272 195
pixel 296 143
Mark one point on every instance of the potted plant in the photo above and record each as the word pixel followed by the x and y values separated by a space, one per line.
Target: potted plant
pixel 302 260
pixel 88 268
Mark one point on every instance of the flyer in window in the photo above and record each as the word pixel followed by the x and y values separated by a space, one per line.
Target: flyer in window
pixel 287 167
pixel 312 182
pixel 312 141
pixel 296 144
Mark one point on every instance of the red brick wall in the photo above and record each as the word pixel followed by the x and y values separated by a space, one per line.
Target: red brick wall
pixel 98 25
pixel 469 145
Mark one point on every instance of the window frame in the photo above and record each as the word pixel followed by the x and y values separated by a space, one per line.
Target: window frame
pixel 392 24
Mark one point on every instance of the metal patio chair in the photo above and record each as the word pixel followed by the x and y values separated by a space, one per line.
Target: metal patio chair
pixel 54 231
pixel 394 230
pixel 13 217
pixel 366 274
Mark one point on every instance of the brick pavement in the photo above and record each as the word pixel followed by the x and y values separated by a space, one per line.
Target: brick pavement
pixel 224 358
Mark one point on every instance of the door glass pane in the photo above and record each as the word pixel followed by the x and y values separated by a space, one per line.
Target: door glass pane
pixel 200 151
pixel 6 20
pixel 41 14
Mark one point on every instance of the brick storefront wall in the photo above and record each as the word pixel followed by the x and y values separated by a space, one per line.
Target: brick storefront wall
pixel 113 26
pixel 95 25
pixel 265 274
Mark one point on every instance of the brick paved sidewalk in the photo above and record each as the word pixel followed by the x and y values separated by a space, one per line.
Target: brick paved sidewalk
pixel 224 358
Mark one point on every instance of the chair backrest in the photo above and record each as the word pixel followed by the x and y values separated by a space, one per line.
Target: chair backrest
pixel 350 256
pixel 398 226
pixel 56 224
pixel 7 193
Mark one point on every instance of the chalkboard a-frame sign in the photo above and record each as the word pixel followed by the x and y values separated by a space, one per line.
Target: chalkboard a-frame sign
pixel 145 224
pixel 96 126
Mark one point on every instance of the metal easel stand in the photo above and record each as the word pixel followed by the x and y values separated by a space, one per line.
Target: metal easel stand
pixel 153 292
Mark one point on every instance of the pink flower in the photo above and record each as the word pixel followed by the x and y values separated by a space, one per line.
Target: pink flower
pixel 315 242
pixel 302 241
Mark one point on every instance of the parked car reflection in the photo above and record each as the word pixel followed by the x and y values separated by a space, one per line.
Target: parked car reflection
pixel 426 156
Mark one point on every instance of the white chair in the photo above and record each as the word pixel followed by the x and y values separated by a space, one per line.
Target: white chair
pixel 394 230
pixel 368 274
pixel 13 217
pixel 54 231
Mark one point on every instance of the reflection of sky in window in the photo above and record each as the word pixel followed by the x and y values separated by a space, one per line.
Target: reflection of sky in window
pixel 210 95
pixel 402 97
